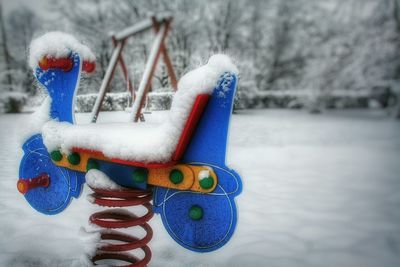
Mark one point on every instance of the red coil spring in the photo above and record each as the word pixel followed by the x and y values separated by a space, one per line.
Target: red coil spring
pixel 114 219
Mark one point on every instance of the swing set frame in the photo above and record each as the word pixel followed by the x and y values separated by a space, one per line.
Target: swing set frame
pixel 161 26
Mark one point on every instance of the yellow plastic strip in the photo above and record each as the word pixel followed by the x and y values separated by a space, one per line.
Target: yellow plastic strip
pixel 160 177
pixel 196 185
pixel 157 177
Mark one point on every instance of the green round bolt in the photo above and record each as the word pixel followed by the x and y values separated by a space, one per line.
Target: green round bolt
pixel 74 158
pixel 196 213
pixel 176 176
pixel 56 155
pixel 207 183
pixel 92 164
pixel 140 175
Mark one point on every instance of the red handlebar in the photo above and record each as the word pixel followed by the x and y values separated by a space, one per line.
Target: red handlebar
pixel 65 64
pixel 24 185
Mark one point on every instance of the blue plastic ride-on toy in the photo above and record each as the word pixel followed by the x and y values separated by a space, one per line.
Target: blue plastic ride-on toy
pixel 193 190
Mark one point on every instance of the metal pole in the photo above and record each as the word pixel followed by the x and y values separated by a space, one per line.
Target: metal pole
pixel 125 71
pixel 166 58
pixel 107 79
pixel 148 72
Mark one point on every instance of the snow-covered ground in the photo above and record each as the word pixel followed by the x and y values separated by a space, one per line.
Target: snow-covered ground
pixel 319 190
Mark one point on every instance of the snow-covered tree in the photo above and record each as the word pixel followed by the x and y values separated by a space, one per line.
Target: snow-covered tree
pixel 317 47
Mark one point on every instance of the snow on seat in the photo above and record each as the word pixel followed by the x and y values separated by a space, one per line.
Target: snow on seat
pixel 141 142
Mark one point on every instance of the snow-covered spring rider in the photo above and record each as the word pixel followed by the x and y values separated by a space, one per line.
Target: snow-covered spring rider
pixel 179 164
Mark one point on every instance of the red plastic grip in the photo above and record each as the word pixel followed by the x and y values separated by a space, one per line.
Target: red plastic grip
pixel 65 64
pixel 24 185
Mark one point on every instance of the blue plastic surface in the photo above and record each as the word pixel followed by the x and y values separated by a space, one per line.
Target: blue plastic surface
pixel 207 148
pixel 121 174
pixel 61 86
pixel 64 183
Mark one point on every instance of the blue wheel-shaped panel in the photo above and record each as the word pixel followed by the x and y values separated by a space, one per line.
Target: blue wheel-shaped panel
pixel 219 214
pixel 64 183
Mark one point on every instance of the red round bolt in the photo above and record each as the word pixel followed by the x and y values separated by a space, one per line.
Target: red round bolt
pixel 88 66
pixel 24 185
